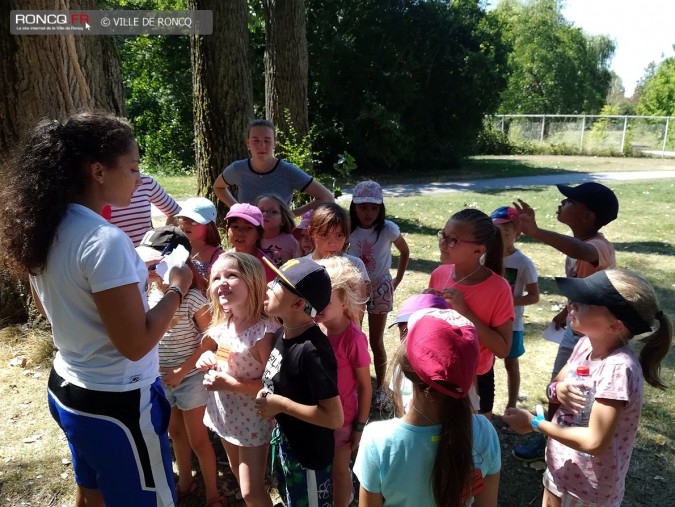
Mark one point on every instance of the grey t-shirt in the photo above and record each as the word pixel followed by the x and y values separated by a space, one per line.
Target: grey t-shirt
pixel 282 181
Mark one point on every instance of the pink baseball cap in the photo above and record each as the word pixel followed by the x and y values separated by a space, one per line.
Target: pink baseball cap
pixel 419 302
pixel 442 346
pixel 246 211
pixel 367 192
pixel 303 225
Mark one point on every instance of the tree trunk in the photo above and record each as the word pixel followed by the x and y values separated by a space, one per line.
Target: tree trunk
pixel 286 64
pixel 49 76
pixel 53 75
pixel 222 90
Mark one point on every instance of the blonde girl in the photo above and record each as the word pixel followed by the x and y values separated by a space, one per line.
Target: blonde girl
pixel 239 342
pixel 371 239
pixel 587 465
pixel 338 322
pixel 278 243
pixel 471 281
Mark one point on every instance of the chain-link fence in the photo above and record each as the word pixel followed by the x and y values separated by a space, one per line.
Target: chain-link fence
pixel 597 134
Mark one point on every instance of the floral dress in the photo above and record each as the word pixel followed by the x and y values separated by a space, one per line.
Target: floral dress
pixel 232 415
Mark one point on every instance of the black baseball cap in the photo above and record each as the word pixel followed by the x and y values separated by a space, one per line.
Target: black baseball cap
pixel 307 278
pixel 165 239
pixel 598 198
pixel 597 289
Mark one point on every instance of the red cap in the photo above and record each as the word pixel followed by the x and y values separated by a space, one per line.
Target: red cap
pixel 584 371
pixel 443 346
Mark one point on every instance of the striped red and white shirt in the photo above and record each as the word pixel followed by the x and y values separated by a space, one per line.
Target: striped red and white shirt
pixel 136 219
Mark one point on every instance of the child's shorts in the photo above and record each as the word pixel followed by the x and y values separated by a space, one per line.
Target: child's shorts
pixel 304 487
pixel 381 295
pixel 567 499
pixel 517 345
pixel 189 394
pixel 118 441
pixel 343 436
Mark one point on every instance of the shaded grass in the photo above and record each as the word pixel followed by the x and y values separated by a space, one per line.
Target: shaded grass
pixel 643 235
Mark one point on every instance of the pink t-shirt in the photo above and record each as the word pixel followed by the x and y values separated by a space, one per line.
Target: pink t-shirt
pixel 575 268
pixel 279 249
pixel 491 300
pixel 351 351
pixel 600 479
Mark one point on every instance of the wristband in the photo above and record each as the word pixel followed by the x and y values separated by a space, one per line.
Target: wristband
pixel 177 290
pixel 538 418
pixel 551 392
pixel 358 426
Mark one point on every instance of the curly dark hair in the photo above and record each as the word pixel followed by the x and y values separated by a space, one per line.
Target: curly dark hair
pixel 46 173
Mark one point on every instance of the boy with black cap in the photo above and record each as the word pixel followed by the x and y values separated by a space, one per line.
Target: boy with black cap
pixel 585 210
pixel 300 382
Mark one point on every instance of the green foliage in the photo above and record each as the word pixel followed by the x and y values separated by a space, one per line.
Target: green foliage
pixel 553 67
pixel 295 148
pixel 399 83
pixel 158 84
pixel 657 97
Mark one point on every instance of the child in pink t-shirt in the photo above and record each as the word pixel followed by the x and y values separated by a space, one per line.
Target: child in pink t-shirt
pixel 350 346
pixel 278 244
pixel 470 281
pixel 587 459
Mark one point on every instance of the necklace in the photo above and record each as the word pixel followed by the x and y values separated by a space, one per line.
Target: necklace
pixel 423 414
pixel 480 266
pixel 289 328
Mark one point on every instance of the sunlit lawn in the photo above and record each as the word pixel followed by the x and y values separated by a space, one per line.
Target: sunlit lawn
pixel 32 472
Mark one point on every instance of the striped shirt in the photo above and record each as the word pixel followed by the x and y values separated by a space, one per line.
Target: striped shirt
pixel 136 219
pixel 183 337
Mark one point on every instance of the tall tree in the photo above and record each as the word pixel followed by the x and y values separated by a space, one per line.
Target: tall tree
pixel 657 90
pixel 49 76
pixel 53 75
pixel 286 64
pixel 553 67
pixel 221 89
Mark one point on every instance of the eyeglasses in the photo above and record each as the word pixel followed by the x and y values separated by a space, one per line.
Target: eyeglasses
pixel 451 241
pixel 270 212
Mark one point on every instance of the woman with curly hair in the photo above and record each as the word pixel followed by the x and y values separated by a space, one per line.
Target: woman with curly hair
pixel 86 278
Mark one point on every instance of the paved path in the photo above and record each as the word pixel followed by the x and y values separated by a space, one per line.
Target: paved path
pixel 406 189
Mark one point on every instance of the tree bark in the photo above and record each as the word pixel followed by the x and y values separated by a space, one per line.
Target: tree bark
pixel 53 75
pixel 49 76
pixel 222 90
pixel 286 63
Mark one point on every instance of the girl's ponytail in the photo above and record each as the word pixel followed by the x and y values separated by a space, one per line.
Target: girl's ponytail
pixel 655 347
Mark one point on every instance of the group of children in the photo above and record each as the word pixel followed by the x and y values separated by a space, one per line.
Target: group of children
pixel 280 339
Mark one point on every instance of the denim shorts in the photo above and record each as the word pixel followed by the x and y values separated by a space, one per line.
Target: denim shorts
pixel 189 394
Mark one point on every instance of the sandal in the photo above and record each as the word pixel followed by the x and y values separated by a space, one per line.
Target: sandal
pixel 182 493
pixel 216 501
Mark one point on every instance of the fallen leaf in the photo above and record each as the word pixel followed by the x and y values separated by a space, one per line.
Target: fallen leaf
pixel 658 478
pixel 660 439
pixel 64 475
pixel 19 361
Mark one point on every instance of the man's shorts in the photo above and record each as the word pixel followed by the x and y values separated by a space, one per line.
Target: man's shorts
pixel 189 394
pixel 118 441
pixel 517 345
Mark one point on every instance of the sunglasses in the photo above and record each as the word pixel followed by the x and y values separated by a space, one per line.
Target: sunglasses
pixel 451 241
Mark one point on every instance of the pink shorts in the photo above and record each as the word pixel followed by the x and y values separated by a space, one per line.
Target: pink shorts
pixel 343 436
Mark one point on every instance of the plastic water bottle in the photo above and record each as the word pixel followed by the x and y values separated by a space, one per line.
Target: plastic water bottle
pixel 583 381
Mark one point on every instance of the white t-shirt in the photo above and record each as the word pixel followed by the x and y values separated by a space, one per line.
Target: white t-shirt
pixel 90 255
pixel 519 271
pixel 373 251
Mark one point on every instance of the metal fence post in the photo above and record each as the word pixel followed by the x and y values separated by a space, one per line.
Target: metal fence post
pixel 623 136
pixel 543 126
pixel 665 138
pixel 583 129
pixel 502 124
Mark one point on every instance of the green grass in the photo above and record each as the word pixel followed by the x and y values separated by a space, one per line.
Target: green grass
pixel 32 472
pixel 476 167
